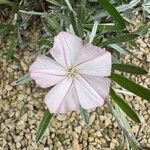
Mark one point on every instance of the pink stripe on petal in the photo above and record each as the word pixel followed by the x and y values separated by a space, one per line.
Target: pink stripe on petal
pixel 89 52
pixel 66 48
pixel 45 80
pixel 100 84
pixel 88 97
pixel 62 98
pixel 70 102
pixel 46 72
pixel 100 66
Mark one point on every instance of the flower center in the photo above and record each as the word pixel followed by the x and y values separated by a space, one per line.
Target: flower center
pixel 72 72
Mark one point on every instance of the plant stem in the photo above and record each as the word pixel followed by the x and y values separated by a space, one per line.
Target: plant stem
pixel 33 13
pixel 124 92
pixel 122 123
pixel 94 30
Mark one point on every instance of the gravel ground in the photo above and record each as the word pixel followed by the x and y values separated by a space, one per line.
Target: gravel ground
pixel 22 106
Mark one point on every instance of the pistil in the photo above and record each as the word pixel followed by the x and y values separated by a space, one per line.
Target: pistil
pixel 72 72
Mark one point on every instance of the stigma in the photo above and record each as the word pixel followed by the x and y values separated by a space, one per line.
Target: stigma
pixel 72 72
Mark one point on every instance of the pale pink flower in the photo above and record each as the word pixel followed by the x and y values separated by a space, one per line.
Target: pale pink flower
pixel 78 74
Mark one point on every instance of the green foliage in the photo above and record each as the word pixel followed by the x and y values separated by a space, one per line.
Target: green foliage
pixel 119 49
pixel 54 2
pixel 77 26
pixel 119 39
pixel 121 8
pixel 5 29
pixel 143 30
pixel 146 8
pixel 11 48
pixel 85 115
pixel 131 86
pixel 121 146
pixel 129 6
pixel 43 125
pixel 44 42
pixel 129 68
pixel 124 106
pixel 124 125
pixel 113 12
pixel 133 145
pixel 81 14
pixel 106 27
pixel 6 2
pixel 24 79
pixel 52 25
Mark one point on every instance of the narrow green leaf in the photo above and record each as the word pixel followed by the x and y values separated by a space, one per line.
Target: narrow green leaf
pixel 80 28
pixel 113 12
pixel 24 79
pixel 52 25
pixel 11 48
pixel 54 2
pixel 129 6
pixel 43 125
pixel 119 49
pixel 5 29
pixel 129 68
pixel 81 13
pixel 77 26
pixel 126 127
pixel 69 5
pixel 124 106
pixel 146 8
pixel 44 42
pixel 61 17
pixel 132 144
pixel 122 121
pixel 133 43
pixel 107 27
pixel 83 2
pixel 6 2
pixel 73 22
pixel 143 30
pixel 120 9
pixel 93 33
pixel 121 146
pixel 120 38
pixel 97 40
pixel 85 115
pixel 131 86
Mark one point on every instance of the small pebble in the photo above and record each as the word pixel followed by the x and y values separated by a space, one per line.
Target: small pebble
pixel 24 66
pixel 18 145
pixel 61 117
pixel 8 87
pixel 78 129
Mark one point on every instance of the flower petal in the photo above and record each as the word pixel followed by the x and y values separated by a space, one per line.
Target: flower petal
pixel 89 52
pixel 88 97
pixel 70 102
pixel 46 72
pixel 99 66
pixel 66 48
pixel 62 97
pixel 101 85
